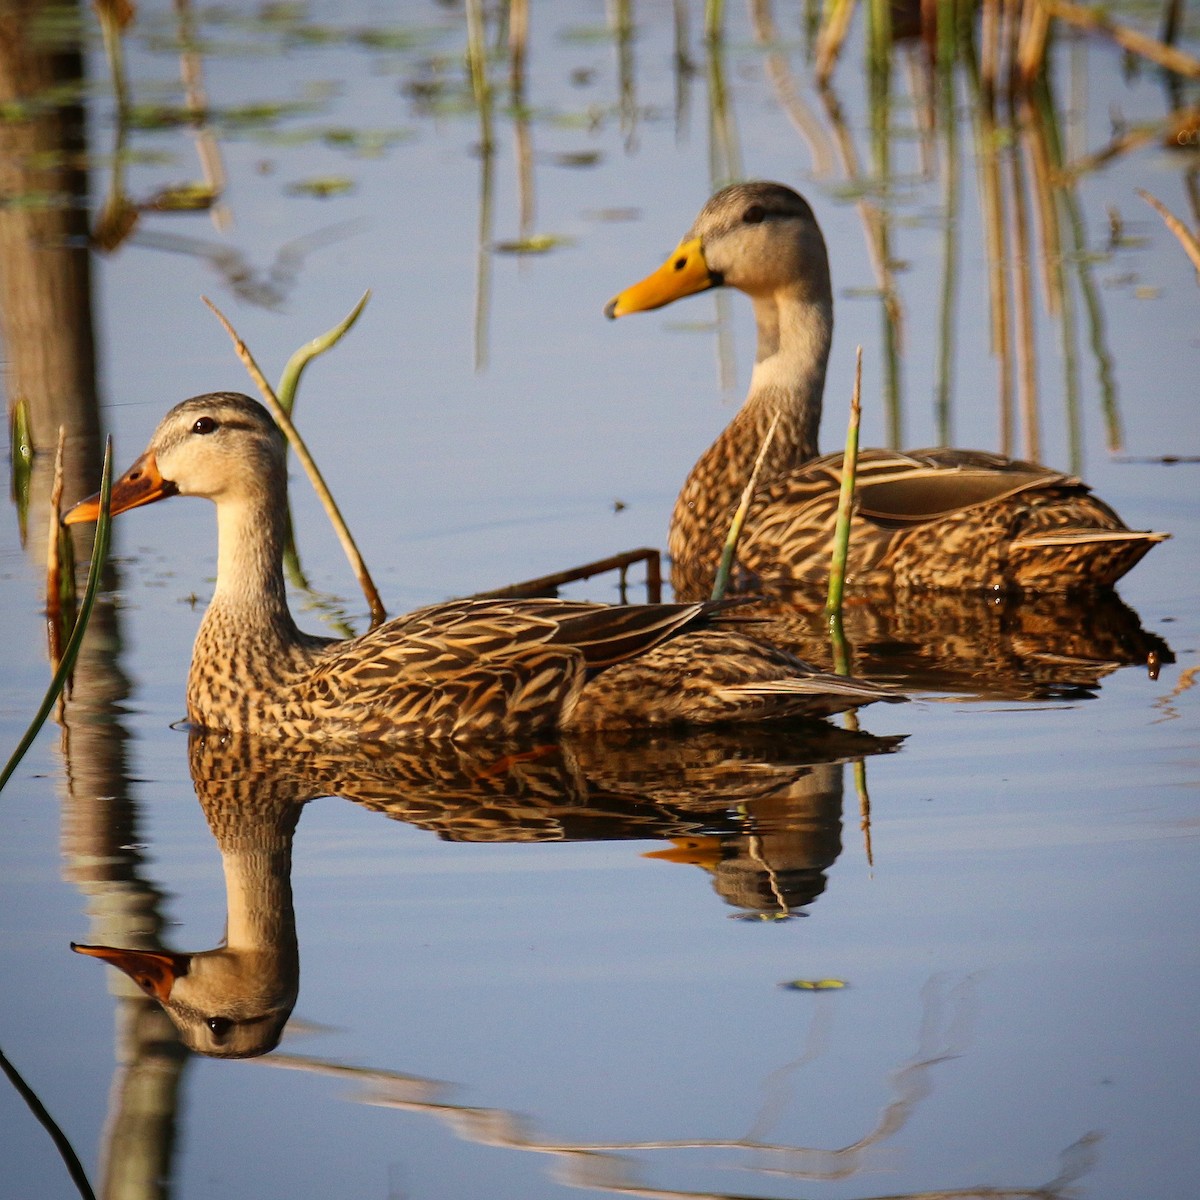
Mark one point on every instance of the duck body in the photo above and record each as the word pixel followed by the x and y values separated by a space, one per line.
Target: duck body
pixel 469 669
pixel 930 519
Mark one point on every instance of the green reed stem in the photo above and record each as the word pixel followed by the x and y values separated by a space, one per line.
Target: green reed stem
pixel 284 421
pixel 289 381
pixel 20 442
pixel 65 1150
pixel 71 650
pixel 841 535
pixel 948 123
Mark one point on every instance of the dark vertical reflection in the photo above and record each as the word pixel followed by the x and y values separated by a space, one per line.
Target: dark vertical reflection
pixel 45 283
pixel 49 355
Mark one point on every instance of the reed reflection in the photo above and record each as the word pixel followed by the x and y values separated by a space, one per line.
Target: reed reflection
pixel 762 811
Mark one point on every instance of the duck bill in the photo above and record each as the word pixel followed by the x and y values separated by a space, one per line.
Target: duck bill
pixel 706 852
pixel 154 971
pixel 685 273
pixel 141 484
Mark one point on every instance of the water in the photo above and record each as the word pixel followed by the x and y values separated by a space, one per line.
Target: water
pixel 499 992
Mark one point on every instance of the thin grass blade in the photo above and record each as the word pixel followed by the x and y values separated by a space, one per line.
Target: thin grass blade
pixel 71 650
pixel 289 381
pixel 841 535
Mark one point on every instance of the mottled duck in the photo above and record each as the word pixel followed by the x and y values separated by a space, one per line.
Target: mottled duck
pixel 939 518
pixel 462 669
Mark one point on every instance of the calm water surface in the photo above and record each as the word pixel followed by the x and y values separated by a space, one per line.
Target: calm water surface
pixel 570 975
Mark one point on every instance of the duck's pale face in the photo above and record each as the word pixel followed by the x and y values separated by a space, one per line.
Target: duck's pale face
pixel 220 447
pixel 759 238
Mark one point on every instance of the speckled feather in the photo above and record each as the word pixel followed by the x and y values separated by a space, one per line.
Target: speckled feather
pixel 942 519
pixel 466 669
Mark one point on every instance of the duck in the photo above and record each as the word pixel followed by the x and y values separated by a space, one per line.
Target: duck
pixel 461 669
pixel 941 518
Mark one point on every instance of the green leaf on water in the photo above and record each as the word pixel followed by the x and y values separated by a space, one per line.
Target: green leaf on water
pixel 815 985
pixel 323 187
pixel 537 243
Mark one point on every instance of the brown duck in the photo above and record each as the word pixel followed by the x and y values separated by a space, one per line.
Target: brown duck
pixel 940 518
pixel 464 669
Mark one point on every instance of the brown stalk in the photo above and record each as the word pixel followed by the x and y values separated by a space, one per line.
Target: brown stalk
pixel 1031 43
pixel 54 558
pixel 1187 239
pixel 310 467
pixel 830 39
pixel 1089 19
pixel 992 198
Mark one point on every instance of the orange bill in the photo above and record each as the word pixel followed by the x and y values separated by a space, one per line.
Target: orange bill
pixel 154 971
pixel 141 484
pixel 683 274
pixel 700 851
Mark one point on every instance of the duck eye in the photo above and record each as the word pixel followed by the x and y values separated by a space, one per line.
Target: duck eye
pixel 220 1026
pixel 204 425
pixel 754 214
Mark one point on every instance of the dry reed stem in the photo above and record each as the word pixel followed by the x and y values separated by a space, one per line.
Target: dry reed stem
pixel 1031 44
pixel 310 467
pixel 54 563
pixel 989 55
pixel 803 120
pixel 830 39
pixel 1033 142
pixel 1187 239
pixel 721 583
pixel 1089 19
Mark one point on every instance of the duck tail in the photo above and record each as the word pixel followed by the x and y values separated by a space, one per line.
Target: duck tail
pixel 1078 557
pixel 817 694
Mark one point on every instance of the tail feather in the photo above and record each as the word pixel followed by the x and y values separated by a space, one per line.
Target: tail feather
pixel 818 684
pixel 1085 537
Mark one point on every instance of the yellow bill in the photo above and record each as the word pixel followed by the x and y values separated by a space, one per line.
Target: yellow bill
pixel 683 274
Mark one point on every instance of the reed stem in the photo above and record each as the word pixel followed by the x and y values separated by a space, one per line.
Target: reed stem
pixel 721 582
pixel 71 649
pixel 310 467
pixel 841 535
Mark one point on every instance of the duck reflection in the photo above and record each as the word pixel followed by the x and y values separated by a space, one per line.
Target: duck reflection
pixel 233 1001
pixel 989 647
pixel 761 810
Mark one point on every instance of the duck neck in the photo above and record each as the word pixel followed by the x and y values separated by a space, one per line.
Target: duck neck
pixel 247 640
pixel 794 335
pixel 250 590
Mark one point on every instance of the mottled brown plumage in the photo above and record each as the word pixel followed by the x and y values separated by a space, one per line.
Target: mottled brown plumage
pixel 944 518
pixel 464 669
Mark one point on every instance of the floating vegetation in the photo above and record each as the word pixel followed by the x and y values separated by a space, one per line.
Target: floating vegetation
pixel 183 197
pixel 577 158
pixel 323 187
pixel 537 243
pixel 814 985
pixel 362 143
pixel 265 113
